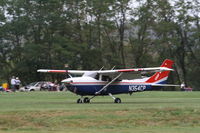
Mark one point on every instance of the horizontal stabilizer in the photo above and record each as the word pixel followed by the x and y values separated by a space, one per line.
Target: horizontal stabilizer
pixel 162 85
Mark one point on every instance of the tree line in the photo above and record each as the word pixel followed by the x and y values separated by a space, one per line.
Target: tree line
pixel 89 34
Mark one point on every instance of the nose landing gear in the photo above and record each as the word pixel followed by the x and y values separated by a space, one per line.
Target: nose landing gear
pixel 79 100
pixel 85 100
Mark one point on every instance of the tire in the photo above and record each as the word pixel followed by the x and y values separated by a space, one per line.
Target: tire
pixel 117 100
pixel 79 101
pixel 86 100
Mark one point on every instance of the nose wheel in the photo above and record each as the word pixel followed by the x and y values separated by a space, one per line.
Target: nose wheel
pixel 83 100
pixel 86 100
pixel 79 100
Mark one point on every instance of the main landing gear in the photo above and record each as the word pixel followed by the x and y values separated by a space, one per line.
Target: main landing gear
pixel 116 100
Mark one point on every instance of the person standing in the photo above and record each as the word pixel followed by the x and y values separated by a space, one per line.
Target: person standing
pixel 183 86
pixel 17 83
pixel 12 82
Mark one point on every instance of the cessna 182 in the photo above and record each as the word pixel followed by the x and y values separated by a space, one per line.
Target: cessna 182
pixel 115 81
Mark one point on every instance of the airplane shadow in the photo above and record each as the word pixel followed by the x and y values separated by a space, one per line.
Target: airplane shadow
pixel 133 103
pixel 97 103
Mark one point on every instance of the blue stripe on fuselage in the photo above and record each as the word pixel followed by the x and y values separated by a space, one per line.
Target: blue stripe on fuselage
pixel 113 89
pixel 89 89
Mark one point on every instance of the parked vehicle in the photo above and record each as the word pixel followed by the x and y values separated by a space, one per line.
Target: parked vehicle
pixel 38 86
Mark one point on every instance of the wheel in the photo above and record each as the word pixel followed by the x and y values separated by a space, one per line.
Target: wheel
pixel 79 101
pixel 117 100
pixel 86 100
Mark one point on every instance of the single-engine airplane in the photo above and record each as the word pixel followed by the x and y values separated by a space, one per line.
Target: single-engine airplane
pixel 114 81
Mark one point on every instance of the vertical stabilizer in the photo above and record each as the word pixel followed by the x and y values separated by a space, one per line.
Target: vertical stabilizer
pixel 161 77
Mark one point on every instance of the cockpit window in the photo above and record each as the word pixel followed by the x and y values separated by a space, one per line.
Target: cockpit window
pixel 97 77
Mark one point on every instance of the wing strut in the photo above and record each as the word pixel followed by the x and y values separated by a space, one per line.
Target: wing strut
pixel 98 92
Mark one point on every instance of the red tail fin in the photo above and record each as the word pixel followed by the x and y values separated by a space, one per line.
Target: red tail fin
pixel 161 76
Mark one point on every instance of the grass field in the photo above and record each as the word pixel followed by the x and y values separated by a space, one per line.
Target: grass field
pixel 57 112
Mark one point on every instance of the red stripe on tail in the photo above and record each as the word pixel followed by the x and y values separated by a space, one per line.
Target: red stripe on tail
pixel 160 75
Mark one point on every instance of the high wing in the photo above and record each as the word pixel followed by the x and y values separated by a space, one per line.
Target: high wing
pixel 166 66
pixel 136 70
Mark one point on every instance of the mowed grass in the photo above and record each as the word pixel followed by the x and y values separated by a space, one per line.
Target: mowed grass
pixel 58 112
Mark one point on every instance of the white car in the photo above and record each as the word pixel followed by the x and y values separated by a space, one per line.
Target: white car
pixel 37 86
